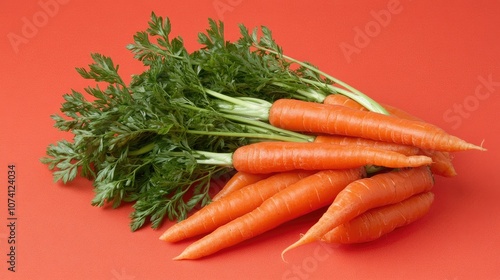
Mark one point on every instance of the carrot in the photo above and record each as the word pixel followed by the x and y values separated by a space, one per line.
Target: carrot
pixel 380 221
pixel 269 157
pixel 307 195
pixel 400 113
pixel 339 99
pixel 441 161
pixel 368 193
pixel 231 206
pixel 357 141
pixel 238 181
pixel 303 116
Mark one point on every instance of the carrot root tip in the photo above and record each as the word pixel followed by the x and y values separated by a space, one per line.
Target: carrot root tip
pixel 480 147
pixel 300 242
pixel 180 257
pixel 167 236
pixel 283 257
pixel 163 237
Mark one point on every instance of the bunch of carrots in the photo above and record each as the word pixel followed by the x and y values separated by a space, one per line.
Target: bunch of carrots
pixel 372 172
pixel 299 140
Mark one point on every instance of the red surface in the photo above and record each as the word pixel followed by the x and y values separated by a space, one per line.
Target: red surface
pixel 438 60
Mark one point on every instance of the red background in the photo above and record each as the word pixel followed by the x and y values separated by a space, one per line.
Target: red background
pixel 429 58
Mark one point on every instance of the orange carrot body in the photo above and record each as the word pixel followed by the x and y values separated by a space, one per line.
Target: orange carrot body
pixel 303 116
pixel 400 113
pixel 357 141
pixel 231 206
pixel 441 161
pixel 368 193
pixel 380 221
pixel 307 195
pixel 339 99
pixel 266 157
pixel 238 181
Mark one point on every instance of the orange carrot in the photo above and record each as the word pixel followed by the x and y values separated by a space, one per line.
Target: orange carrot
pixel 357 141
pixel 303 116
pixel 339 99
pixel 238 181
pixel 400 113
pixel 441 161
pixel 266 157
pixel 368 193
pixel 380 221
pixel 307 195
pixel 233 205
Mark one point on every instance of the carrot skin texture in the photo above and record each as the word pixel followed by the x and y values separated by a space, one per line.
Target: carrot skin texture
pixel 358 141
pixel 400 113
pixel 338 99
pixel 441 161
pixel 266 157
pixel 377 222
pixel 307 195
pixel 368 193
pixel 342 100
pixel 231 206
pixel 303 116
pixel 238 181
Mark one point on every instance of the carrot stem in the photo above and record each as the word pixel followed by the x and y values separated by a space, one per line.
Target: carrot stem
pixel 257 107
pixel 355 94
pixel 144 149
pixel 309 95
pixel 221 159
pixel 255 123
pixel 266 136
